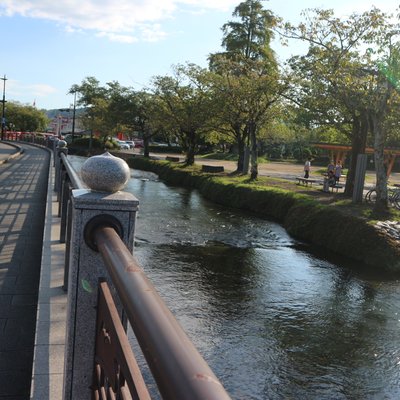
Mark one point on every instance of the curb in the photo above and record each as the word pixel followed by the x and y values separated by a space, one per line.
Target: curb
pixel 14 155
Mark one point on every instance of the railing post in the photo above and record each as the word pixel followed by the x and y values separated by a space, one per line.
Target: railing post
pixel 68 240
pixel 61 148
pixel 105 175
pixel 54 147
pixel 63 204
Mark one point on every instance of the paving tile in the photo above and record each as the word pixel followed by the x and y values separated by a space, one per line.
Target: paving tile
pixel 24 181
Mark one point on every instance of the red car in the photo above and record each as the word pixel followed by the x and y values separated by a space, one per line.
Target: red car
pixel 138 143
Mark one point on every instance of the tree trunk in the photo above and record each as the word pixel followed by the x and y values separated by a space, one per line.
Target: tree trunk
pixel 253 154
pixel 189 157
pixel 191 148
pixel 358 144
pixel 146 143
pixel 240 162
pixel 381 204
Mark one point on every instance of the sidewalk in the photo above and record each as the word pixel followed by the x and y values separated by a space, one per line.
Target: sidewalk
pixel 48 363
pixel 8 151
pixel 23 184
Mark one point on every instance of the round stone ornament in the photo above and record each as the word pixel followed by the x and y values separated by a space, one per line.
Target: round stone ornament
pixel 105 173
pixel 61 144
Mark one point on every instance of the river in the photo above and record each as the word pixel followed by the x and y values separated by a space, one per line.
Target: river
pixel 273 317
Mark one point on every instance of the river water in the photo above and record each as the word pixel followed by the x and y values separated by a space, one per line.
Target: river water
pixel 272 317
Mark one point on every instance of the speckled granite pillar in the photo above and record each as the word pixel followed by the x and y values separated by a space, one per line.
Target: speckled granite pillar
pixel 61 148
pixel 86 267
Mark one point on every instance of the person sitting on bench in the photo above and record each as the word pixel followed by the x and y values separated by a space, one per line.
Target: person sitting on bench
pixel 331 178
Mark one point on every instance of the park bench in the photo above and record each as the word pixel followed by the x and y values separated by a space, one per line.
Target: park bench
pixel 212 168
pixel 173 159
pixel 305 181
pixel 337 186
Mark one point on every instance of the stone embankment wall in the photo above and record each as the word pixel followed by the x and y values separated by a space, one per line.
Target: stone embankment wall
pixel 376 246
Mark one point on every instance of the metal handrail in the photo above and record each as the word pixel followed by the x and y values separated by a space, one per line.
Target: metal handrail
pixel 115 365
pixel 68 180
pixel 178 368
pixel 73 176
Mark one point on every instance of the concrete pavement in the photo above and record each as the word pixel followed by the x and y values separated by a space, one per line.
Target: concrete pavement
pixel 48 363
pixel 32 301
pixel 23 186
pixel 9 151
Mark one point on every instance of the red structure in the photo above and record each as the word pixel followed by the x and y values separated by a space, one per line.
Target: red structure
pixel 339 152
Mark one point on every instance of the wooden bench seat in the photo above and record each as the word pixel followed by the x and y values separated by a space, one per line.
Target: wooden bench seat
pixel 173 159
pixel 305 181
pixel 212 168
pixel 337 187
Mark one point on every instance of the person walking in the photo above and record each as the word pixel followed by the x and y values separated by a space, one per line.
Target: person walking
pixel 307 168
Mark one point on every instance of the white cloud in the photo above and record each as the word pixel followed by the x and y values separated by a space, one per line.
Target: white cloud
pixel 114 37
pixel 119 20
pixel 16 89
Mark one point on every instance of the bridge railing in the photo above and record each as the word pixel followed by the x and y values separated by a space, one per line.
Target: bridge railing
pixel 106 287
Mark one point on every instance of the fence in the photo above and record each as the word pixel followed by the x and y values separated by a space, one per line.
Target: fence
pixel 106 288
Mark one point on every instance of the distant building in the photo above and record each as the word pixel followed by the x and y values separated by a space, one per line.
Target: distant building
pixel 62 123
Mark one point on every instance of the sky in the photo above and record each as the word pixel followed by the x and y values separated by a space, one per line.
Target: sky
pixel 47 46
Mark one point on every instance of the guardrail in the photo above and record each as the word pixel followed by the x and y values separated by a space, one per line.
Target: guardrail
pixel 106 286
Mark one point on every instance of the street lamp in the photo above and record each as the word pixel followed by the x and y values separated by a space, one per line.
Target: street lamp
pixel 3 118
pixel 73 118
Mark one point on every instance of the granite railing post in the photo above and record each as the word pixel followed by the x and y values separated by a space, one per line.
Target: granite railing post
pixel 105 175
pixel 54 147
pixel 68 241
pixel 63 204
pixel 61 148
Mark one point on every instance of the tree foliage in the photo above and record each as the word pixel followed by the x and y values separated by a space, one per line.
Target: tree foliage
pixel 341 80
pixel 25 118
pixel 187 107
pixel 249 81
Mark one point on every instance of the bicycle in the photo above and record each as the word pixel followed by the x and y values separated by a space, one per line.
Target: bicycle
pixel 393 196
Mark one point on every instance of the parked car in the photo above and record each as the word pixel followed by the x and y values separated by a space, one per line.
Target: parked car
pixel 131 143
pixel 123 145
pixel 159 144
pixel 139 143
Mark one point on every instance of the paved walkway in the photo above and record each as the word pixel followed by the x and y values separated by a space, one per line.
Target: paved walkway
pixel 276 169
pixel 23 187
pixel 48 363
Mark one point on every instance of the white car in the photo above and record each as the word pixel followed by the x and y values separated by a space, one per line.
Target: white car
pixel 131 143
pixel 123 145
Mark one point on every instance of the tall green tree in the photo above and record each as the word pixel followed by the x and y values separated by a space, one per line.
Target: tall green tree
pixel 248 38
pixel 147 117
pixel 25 118
pixel 385 98
pixel 109 108
pixel 249 72
pixel 187 106
pixel 93 98
pixel 341 70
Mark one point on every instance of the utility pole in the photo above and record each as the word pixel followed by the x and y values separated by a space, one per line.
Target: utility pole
pixel 3 118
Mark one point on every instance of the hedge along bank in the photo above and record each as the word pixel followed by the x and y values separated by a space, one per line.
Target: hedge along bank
pixel 302 217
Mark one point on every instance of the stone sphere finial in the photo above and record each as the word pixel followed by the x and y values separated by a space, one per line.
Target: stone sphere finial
pixel 61 144
pixel 105 173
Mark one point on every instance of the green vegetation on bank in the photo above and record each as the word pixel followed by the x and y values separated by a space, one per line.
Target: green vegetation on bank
pixel 342 228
